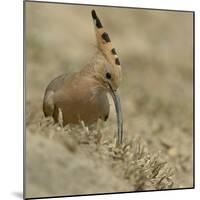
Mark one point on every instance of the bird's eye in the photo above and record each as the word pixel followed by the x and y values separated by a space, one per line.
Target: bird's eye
pixel 108 75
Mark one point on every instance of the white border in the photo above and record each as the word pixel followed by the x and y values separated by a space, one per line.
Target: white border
pixel 11 97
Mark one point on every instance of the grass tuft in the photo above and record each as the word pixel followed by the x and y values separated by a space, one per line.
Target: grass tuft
pixel 131 162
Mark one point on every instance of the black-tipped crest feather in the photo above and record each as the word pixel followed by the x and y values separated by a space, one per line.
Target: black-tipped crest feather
pixel 104 42
pixel 98 22
pixel 106 37
pixel 114 51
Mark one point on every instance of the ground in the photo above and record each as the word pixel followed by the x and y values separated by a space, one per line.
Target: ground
pixel 156 54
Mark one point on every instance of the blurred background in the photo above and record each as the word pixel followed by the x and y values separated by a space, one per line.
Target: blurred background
pixel 156 53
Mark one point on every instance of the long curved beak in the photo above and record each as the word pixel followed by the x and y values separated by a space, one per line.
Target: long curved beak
pixel 118 109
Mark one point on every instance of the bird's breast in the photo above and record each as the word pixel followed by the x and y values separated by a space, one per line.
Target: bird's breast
pixel 82 102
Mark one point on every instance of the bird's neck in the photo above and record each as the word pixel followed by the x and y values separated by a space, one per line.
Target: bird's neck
pixel 89 69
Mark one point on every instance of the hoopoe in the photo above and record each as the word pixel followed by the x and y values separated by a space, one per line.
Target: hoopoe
pixel 82 96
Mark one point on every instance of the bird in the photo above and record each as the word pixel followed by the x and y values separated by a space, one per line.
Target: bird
pixel 83 95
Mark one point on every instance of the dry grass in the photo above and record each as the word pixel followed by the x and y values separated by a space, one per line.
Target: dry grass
pixel 131 165
pixel 155 49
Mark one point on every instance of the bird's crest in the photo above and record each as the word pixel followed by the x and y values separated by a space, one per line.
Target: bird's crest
pixel 104 42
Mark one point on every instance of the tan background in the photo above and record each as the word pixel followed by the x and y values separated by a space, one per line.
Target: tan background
pixel 156 52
